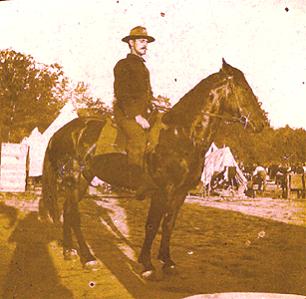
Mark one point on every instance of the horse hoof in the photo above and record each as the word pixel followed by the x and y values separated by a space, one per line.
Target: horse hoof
pixel 70 254
pixel 92 265
pixel 150 275
pixel 170 269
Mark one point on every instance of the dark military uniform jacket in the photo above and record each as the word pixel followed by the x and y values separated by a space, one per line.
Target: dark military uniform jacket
pixel 132 86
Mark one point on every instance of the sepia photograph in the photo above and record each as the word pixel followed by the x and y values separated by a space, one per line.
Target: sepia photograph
pixel 153 149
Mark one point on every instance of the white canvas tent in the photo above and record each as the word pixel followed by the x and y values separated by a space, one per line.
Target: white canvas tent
pixel 37 146
pixel 38 142
pixel 13 167
pixel 211 149
pixel 217 161
pixel 67 113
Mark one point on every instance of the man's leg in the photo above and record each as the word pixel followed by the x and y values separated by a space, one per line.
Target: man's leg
pixel 136 141
pixel 136 146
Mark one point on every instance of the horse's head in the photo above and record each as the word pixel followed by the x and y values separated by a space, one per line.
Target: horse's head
pixel 240 101
pixel 222 96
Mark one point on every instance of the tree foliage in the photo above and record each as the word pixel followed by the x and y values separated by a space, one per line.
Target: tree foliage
pixel 86 104
pixel 271 146
pixel 30 93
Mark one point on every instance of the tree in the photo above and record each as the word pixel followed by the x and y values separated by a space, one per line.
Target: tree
pixel 271 146
pixel 162 102
pixel 86 104
pixel 31 94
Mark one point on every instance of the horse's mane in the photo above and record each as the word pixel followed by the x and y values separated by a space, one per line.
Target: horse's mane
pixel 192 102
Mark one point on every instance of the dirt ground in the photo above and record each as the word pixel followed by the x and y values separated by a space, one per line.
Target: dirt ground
pixel 219 244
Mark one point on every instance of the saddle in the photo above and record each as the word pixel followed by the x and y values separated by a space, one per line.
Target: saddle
pixel 113 140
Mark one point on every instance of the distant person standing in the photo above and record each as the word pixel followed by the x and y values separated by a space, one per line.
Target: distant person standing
pixel 133 101
pixel 260 174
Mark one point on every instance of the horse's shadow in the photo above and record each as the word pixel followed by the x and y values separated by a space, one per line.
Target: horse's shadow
pixel 108 242
pixel 31 272
pixel 10 213
pixel 211 248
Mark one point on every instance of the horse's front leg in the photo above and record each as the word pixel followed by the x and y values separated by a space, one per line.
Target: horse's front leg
pixel 155 215
pixel 167 228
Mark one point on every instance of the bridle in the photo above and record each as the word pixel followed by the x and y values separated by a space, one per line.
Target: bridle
pixel 244 120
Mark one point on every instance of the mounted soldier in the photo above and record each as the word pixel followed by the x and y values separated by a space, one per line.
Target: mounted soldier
pixel 133 104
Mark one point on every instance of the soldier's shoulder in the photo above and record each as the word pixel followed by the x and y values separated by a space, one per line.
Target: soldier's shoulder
pixel 123 61
pixel 121 65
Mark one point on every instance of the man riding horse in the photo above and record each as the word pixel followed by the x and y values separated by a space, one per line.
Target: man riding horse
pixel 133 104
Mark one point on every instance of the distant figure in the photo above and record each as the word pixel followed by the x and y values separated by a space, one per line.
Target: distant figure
pixel 297 180
pixel 259 177
pixel 281 179
pixel 272 171
pixel 299 169
pixel 232 172
pixel 217 179
pixel 133 103
pixel 250 192
pixel 258 169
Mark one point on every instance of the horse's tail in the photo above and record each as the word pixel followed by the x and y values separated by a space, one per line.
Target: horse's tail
pixel 48 205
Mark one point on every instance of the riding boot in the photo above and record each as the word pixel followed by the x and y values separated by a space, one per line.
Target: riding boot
pixel 142 182
pixel 147 187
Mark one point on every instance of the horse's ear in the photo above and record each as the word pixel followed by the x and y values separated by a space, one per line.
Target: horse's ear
pixel 224 64
pixel 226 68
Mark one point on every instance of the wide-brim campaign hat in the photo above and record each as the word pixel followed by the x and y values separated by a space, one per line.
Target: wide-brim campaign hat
pixel 138 32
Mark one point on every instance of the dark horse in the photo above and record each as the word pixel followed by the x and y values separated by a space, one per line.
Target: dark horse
pixel 175 162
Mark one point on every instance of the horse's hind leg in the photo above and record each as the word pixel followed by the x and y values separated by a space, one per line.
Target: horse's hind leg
pixel 72 222
pixel 76 195
pixel 155 214
pixel 68 250
pixel 75 186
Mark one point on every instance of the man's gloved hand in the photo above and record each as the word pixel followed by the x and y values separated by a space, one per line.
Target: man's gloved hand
pixel 142 122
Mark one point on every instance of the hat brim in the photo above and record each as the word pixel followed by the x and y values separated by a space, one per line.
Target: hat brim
pixel 150 39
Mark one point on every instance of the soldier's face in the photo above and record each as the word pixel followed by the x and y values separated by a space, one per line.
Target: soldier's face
pixel 139 46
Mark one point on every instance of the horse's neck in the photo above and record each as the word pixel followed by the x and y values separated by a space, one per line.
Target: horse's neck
pixel 154 132
pixel 205 125
pixel 195 116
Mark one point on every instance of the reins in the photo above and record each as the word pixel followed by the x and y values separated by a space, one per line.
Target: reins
pixel 243 119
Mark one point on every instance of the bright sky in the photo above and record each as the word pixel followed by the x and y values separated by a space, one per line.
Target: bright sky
pixel 266 39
